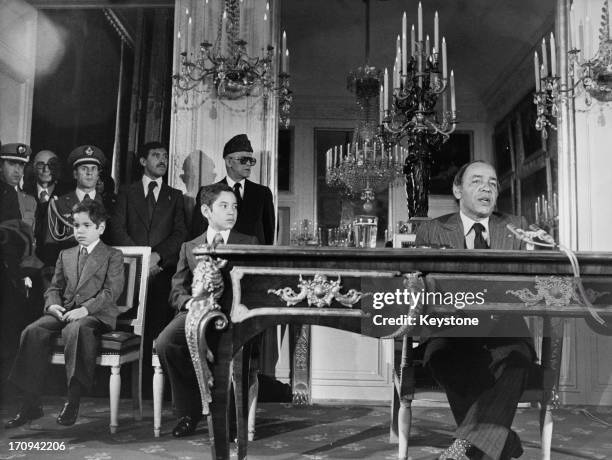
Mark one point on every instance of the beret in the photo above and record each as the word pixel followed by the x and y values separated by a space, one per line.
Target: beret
pixel 238 143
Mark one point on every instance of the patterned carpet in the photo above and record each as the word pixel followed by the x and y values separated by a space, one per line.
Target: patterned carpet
pixel 284 432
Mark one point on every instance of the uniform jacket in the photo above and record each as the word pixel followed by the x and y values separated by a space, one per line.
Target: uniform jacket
pixel 129 225
pixel 448 230
pixel 98 288
pixel 255 216
pixel 9 203
pixel 181 281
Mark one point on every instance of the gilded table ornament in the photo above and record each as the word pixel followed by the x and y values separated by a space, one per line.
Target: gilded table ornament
pixel 319 292
pixel 554 291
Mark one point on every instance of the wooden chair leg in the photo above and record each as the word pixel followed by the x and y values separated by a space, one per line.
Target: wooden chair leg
pixel 114 390
pixel 546 430
pixel 137 389
pixel 158 395
pixel 404 421
pixel 253 396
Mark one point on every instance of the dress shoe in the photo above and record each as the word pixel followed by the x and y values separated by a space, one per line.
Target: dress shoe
pixel 460 449
pixel 27 412
pixel 185 427
pixel 69 414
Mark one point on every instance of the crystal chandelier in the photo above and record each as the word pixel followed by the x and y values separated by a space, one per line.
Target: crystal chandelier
pixel 224 67
pixel 367 164
pixel 590 70
pixel 420 77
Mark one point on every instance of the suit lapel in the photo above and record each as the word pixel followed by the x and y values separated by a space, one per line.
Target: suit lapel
pixel 162 206
pixel 71 265
pixel 499 239
pixel 92 264
pixel 140 202
pixel 455 234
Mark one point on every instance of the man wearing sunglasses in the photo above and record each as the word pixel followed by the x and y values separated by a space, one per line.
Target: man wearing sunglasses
pixel 255 203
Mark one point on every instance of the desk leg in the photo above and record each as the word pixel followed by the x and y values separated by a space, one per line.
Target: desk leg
pixel 300 354
pixel 403 394
pixel 218 424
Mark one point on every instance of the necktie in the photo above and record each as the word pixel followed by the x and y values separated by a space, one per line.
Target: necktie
pixel 237 193
pixel 218 239
pixel 479 240
pixel 151 199
pixel 44 196
pixel 82 259
pixel 87 197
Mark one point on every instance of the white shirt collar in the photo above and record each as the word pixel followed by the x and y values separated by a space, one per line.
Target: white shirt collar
pixel 146 180
pixel 92 246
pixel 49 189
pixel 210 235
pixel 468 223
pixel 231 183
pixel 81 194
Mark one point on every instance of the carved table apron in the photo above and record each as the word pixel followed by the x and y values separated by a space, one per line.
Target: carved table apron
pixel 333 287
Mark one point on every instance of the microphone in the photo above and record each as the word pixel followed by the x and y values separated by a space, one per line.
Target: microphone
pixel 529 236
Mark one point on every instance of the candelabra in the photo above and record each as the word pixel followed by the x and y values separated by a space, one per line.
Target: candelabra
pixel 418 82
pixel 590 72
pixel 225 65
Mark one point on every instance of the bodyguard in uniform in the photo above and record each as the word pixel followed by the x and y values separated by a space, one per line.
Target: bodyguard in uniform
pixel 86 161
pixel 13 158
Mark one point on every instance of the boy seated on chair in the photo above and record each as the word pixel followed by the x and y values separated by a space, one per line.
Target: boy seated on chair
pixel 220 208
pixel 80 304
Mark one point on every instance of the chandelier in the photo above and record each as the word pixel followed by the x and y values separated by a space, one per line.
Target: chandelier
pixel 367 164
pixel 590 70
pixel 223 67
pixel 420 77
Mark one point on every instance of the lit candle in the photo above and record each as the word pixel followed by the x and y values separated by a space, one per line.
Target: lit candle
pixel 283 51
pixel 587 42
pixel 573 27
pixel 395 72
pixel 444 63
pixel 178 53
pixel 335 157
pixel 380 105
pixel 581 38
pixel 420 23
pixel 223 32
pixel 264 33
pixel 287 60
pixel 404 45
pixel 553 55
pixel 187 48
pixel 544 59
pixel 327 160
pixel 536 68
pixel 452 88
pixel 436 32
pixel 412 40
pixel 386 93
pixel 268 33
pixel 427 45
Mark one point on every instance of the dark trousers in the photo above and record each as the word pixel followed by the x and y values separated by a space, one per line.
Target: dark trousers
pixel 483 379
pixel 171 346
pixel 81 344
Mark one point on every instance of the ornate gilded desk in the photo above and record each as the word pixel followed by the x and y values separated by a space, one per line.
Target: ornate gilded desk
pixel 266 286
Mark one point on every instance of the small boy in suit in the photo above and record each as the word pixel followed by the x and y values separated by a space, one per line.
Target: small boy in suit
pixel 220 209
pixel 81 304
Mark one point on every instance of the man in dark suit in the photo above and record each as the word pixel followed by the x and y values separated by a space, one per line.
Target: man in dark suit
pixel 255 203
pixel 150 213
pixel 44 186
pixel 81 304
pixel 220 209
pixel 485 374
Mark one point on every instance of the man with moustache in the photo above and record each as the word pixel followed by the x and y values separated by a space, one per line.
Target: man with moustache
pixel 484 374
pixel 150 213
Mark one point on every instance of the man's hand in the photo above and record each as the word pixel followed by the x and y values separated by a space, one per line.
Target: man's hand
pixel 154 260
pixel 75 314
pixel 57 311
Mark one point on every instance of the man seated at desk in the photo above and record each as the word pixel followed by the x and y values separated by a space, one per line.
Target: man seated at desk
pixel 483 375
pixel 220 209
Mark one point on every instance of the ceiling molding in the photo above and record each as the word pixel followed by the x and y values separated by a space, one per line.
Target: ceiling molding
pixel 83 4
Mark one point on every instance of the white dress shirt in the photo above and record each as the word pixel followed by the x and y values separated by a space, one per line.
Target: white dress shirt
pixel 469 233
pixel 231 183
pixel 210 235
pixel 81 194
pixel 145 182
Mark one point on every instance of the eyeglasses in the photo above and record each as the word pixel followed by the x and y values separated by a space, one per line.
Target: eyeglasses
pixel 246 160
pixel 41 166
